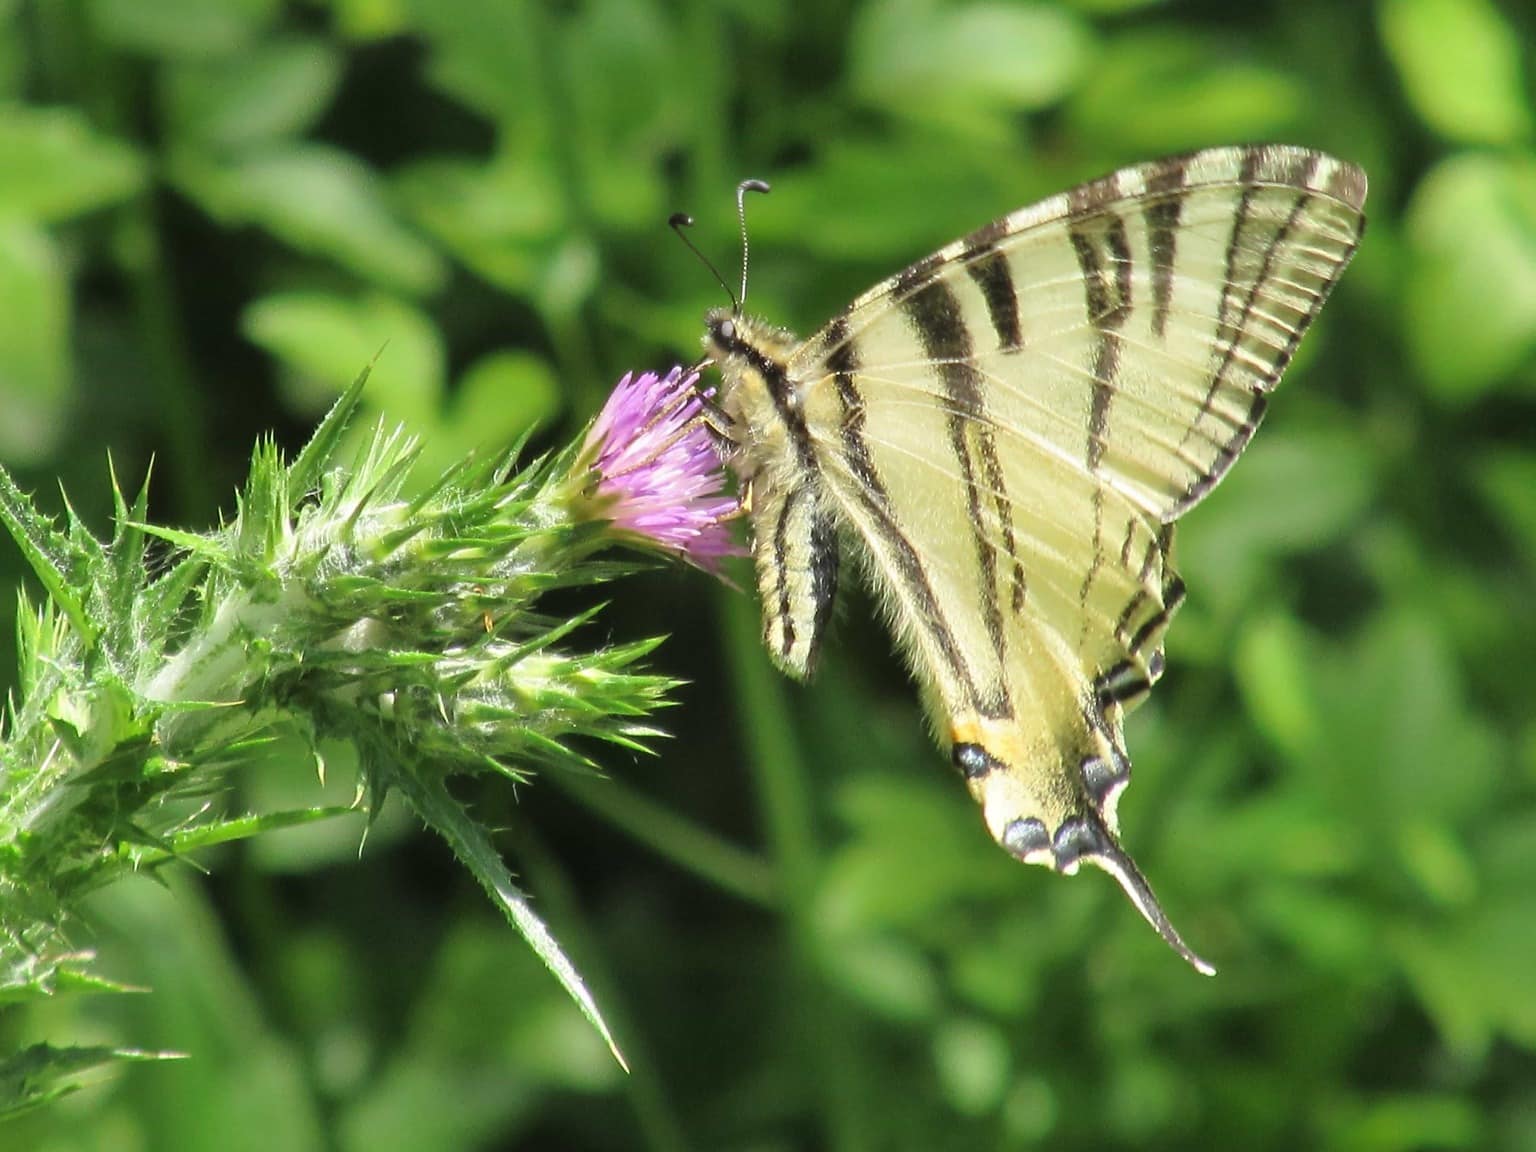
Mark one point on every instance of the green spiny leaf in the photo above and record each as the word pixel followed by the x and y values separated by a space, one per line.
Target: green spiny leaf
pixel 559 632
pixel 126 577
pixel 166 599
pixel 316 457
pixel 42 1073
pixel 61 564
pixel 199 544
pixel 263 518
pixel 445 816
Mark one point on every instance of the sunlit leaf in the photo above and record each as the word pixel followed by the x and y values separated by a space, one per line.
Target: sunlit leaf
pixel 369 19
pixel 181 28
pixel 920 57
pixel 485 53
pixel 1166 91
pixel 321 201
pixel 34 344
pixel 1471 290
pixel 324 339
pixel 54 165
pixel 973 1061
pixel 501 220
pixel 278 89
pixel 1459 61
pixel 503 395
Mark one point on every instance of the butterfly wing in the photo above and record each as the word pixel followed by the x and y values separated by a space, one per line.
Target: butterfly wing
pixel 1013 424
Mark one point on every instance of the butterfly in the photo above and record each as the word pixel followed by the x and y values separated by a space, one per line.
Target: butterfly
pixel 1004 436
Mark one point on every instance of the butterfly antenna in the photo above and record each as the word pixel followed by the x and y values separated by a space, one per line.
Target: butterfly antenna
pixel 741 214
pixel 680 220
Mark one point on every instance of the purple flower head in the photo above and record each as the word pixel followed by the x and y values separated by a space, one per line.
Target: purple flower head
pixel 655 470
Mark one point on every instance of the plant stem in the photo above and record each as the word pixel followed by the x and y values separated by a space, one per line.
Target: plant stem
pixel 98 79
pixel 784 795
pixel 695 849
pixel 659 1126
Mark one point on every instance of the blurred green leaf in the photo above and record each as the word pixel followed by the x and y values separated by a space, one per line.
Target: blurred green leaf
pixel 1296 491
pixel 1029 1112
pixel 880 879
pixel 1142 1098
pixel 181 28
pixel 1471 975
pixel 503 395
pixel 324 340
pixel 1285 833
pixel 925 59
pixel 1273 666
pixel 1329 932
pixel 13 51
pixel 486 53
pixel 1459 62
pixel 320 200
pixel 34 344
pixel 1471 292
pixel 974 1064
pixel 369 19
pixel 871 199
pixel 499 398
pixel 1407 748
pixel 1111 7
pixel 1470 969
pixel 54 165
pixel 243 1088
pixel 279 88
pixel 618 137
pixel 1166 90
pixel 493 1035
pixel 889 976
pixel 1407 1123
pixel 1508 481
pixel 500 219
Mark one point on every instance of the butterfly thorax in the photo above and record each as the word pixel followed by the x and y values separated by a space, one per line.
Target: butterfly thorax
pixel 774 455
pixel 756 390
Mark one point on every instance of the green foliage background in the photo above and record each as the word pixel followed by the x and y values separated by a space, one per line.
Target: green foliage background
pixel 214 212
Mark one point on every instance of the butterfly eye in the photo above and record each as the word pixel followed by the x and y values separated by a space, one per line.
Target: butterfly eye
pixel 727 331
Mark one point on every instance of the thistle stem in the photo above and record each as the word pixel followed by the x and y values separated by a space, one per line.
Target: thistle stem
pixel 659 1126
pixel 692 848
pixel 779 773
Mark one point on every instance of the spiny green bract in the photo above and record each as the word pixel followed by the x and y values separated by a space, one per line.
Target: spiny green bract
pixel 337 603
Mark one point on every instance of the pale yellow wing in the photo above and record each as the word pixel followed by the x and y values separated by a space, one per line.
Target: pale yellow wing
pixel 1012 425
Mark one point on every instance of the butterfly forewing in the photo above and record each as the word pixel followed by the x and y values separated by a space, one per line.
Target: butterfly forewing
pixel 1165 300
pixel 1009 428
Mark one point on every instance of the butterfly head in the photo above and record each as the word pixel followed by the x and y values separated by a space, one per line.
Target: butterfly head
pixel 721 338
pixel 751 355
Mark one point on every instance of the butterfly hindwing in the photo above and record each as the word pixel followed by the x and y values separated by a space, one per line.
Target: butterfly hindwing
pixel 1009 428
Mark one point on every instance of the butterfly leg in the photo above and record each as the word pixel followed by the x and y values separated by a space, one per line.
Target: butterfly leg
pixel 796 552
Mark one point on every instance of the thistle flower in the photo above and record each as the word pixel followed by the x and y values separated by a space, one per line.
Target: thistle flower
pixel 650 466
pixel 339 603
